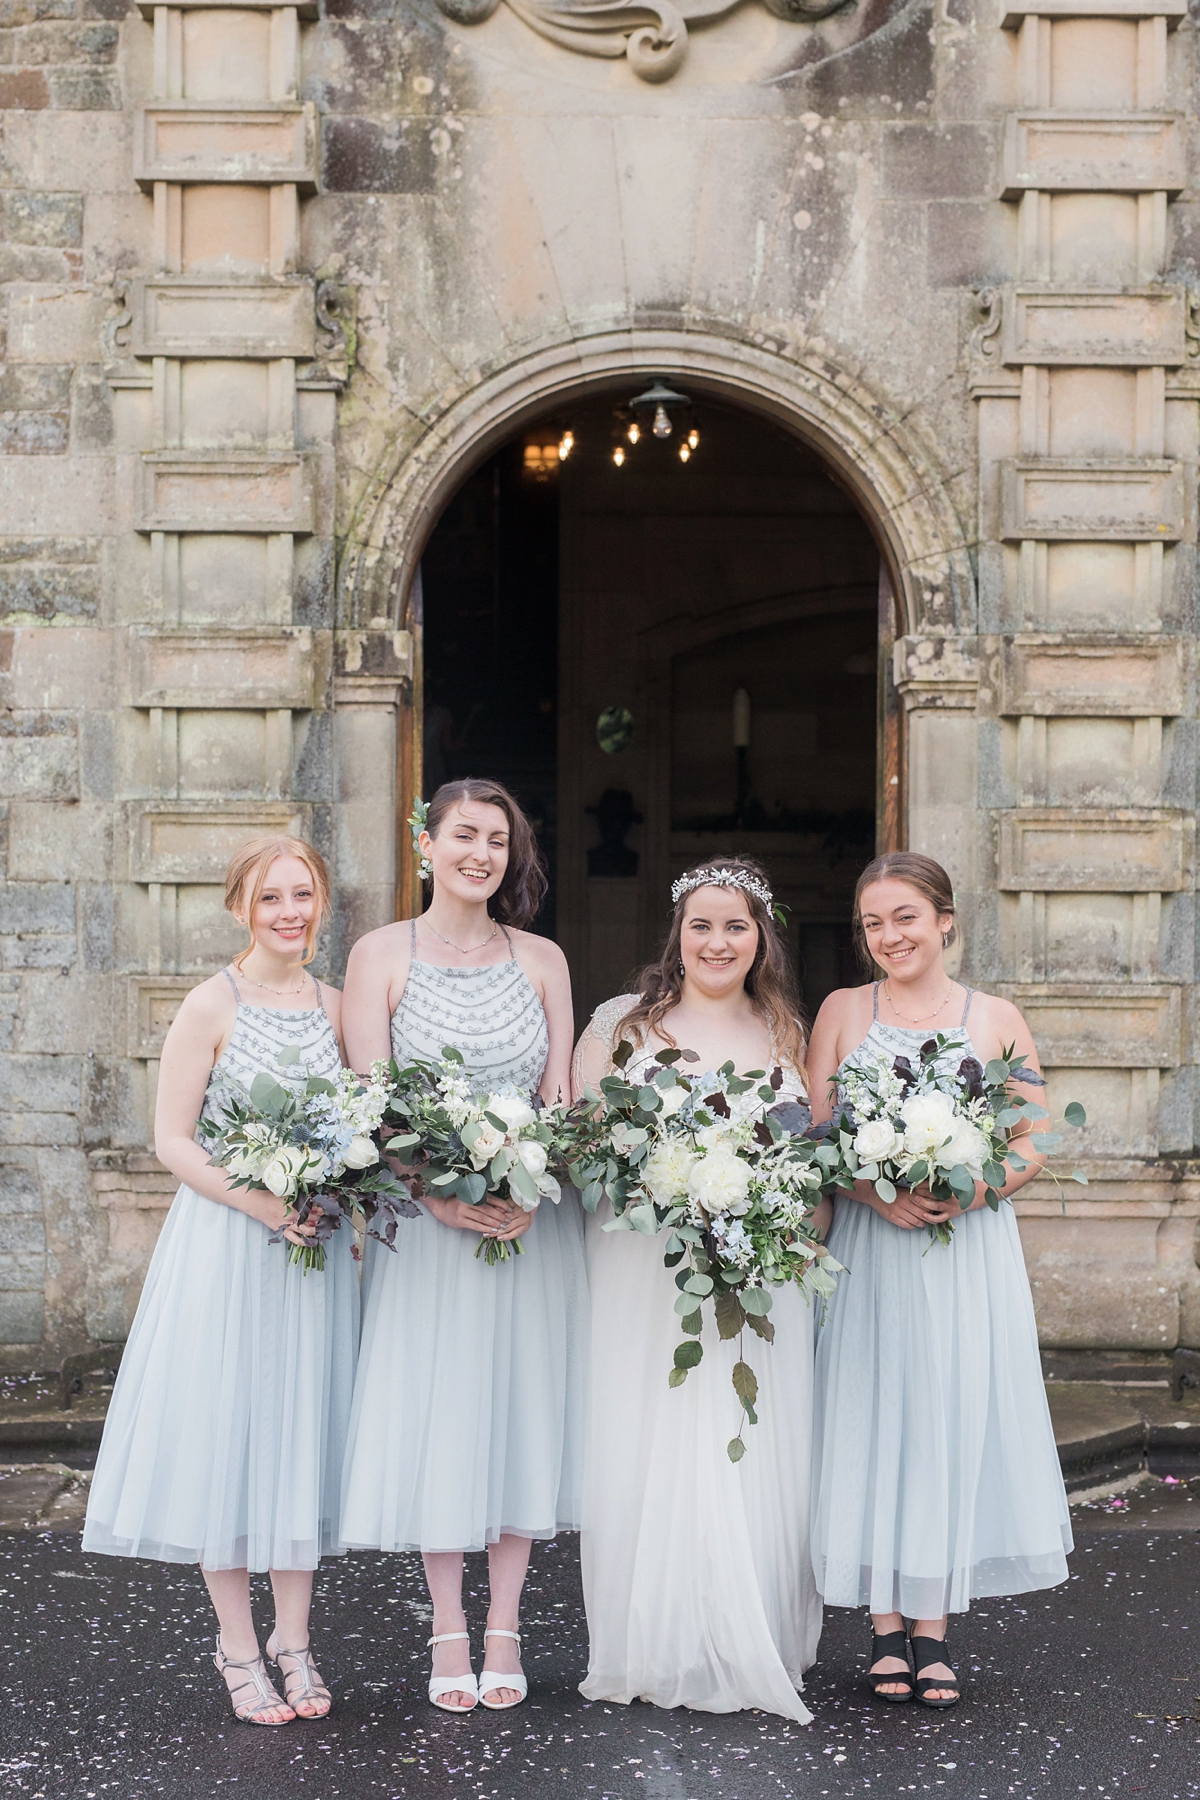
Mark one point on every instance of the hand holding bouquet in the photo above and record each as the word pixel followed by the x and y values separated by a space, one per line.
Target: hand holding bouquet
pixel 727 1170
pixel 314 1148
pixel 464 1146
pixel 898 1126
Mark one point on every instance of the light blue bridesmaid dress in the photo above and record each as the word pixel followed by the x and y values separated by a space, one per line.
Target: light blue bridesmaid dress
pixel 468 1405
pixel 935 1476
pixel 223 1443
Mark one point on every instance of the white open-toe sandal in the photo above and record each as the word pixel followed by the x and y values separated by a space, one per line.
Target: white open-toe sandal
pixel 489 1680
pixel 452 1684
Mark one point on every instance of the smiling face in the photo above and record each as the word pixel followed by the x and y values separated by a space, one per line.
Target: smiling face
pixel 718 940
pixel 902 928
pixel 470 852
pixel 285 909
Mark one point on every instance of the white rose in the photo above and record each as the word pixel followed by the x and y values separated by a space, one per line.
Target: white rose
pixel 929 1121
pixel 713 1137
pixel 876 1140
pixel 282 1174
pixel 487 1141
pixel 969 1147
pixel 626 1137
pixel 671 1099
pixel 360 1153
pixel 533 1155
pixel 720 1183
pixel 515 1111
pixel 666 1170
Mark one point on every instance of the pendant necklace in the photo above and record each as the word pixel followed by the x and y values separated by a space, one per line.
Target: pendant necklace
pixel 451 945
pixel 925 1017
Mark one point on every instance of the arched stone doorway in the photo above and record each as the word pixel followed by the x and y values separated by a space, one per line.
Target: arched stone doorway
pixel 665 655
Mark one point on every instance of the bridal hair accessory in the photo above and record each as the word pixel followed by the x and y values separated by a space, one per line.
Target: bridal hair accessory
pixel 721 877
pixel 417 823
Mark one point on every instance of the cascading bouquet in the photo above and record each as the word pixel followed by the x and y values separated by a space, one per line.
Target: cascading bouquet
pixel 463 1146
pixel 314 1147
pixel 897 1125
pixel 729 1172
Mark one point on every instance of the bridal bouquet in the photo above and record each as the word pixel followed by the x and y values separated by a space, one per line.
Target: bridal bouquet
pixel 728 1171
pixel 464 1146
pixel 314 1147
pixel 898 1125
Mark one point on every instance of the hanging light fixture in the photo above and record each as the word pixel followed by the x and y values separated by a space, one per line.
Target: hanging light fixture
pixel 634 432
pixel 619 455
pixel 684 452
pixel 566 444
pixel 658 412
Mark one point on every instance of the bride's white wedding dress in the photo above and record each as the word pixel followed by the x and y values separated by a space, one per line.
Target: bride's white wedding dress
pixel 697 1575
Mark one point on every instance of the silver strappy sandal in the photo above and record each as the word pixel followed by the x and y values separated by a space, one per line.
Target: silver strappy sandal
pixel 309 1687
pixel 256 1681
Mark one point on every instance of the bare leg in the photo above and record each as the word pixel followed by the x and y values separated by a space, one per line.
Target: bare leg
pixel 229 1591
pixel 444 1574
pixel 508 1559
pixel 292 1589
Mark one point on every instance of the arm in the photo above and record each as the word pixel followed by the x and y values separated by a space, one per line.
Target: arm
pixel 331 1000
pixel 552 979
pixel 376 977
pixel 197 1037
pixel 593 1060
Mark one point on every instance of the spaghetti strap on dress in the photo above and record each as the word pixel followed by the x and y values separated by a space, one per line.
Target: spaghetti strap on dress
pixel 468 1405
pixel 224 1440
pixel 935 1475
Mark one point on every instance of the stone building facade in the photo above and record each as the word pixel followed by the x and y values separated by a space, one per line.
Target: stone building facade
pixel 276 280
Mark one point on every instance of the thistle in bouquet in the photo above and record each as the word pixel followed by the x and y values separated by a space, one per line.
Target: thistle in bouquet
pixel 731 1173
pixel 313 1146
pixel 464 1146
pixel 899 1124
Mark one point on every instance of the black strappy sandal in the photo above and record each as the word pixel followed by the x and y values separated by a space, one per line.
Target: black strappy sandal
pixel 891 1643
pixel 927 1651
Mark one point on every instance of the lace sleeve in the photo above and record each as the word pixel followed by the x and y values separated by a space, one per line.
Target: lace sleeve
pixel 599 1030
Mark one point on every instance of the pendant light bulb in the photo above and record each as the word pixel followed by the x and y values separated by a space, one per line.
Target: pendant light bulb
pixel 684 452
pixel 662 424
pixel 566 445
pixel 634 432
pixel 619 455
pixel 693 437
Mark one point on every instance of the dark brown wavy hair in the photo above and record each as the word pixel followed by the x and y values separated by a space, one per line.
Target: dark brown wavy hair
pixel 771 984
pixel 517 899
pixel 920 872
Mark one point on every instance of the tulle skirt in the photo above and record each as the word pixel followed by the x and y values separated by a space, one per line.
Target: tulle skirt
pixel 935 1477
pixel 696 1571
pixel 224 1439
pixel 468 1407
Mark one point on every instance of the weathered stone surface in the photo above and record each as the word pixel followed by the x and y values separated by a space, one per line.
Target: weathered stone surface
pixel 33 434
pixel 210 145
pixel 366 156
pixel 234 669
pixel 1052 848
pixel 192 842
pixel 258 494
pixel 44 219
pixel 30 906
pixel 260 320
pixel 49 842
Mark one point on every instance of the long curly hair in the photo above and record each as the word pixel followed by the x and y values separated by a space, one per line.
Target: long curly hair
pixel 520 894
pixel 771 983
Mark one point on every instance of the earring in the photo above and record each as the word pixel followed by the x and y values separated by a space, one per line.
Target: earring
pixel 682 970
pixel 945 940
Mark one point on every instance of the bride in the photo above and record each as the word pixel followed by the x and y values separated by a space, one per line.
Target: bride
pixel 697 1576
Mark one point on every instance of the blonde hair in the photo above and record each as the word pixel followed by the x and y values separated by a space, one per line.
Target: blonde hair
pixel 246 877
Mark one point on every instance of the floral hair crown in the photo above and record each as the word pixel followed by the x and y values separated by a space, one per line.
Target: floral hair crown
pixel 417 823
pixel 722 877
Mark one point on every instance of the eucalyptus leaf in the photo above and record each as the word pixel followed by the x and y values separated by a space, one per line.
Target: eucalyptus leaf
pixel 699 1284
pixel 643 1218
pixel 886 1190
pixel 755 1300
pixel 1074 1114
pixel 520 1179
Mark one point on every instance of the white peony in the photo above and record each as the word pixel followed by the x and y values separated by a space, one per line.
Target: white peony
pixel 533 1156
pixel 969 1147
pixel 720 1183
pixel 665 1171
pixel 876 1140
pixel 929 1122
pixel 487 1141
pixel 360 1153
pixel 515 1111
pixel 714 1137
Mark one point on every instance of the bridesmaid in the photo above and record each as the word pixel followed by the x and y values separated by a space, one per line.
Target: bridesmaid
pixel 224 1440
pixel 467 1423
pixel 936 1479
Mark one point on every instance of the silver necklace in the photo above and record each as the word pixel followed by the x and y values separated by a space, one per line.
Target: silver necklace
pixel 924 1017
pixel 267 988
pixel 451 945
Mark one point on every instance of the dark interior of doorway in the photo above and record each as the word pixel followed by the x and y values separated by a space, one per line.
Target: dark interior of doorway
pixel 491 584
pixel 489 578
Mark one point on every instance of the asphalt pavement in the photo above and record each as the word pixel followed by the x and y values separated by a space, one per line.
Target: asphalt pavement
pixel 1090 1689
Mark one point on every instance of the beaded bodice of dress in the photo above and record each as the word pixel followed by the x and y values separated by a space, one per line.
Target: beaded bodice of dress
pixel 259 1034
pixel 901 1040
pixel 492 1015
pixel 603 1025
